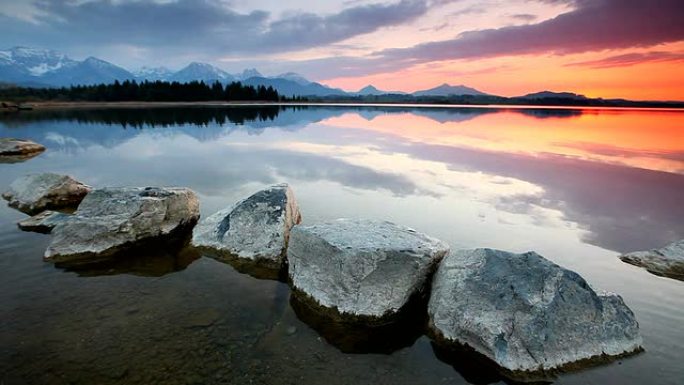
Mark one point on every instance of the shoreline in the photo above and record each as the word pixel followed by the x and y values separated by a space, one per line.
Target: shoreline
pixel 47 105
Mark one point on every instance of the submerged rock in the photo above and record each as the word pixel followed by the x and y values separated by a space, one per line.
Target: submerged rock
pixel 363 269
pixel 256 229
pixel 43 222
pixel 525 313
pixel 35 193
pixel 18 148
pixel 667 261
pixel 110 219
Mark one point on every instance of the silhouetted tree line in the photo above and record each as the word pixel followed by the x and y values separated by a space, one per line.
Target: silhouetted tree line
pixel 157 91
pixel 148 117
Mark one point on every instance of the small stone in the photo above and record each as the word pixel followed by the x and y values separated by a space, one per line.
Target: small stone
pixel 291 330
pixel 667 261
pixel 35 193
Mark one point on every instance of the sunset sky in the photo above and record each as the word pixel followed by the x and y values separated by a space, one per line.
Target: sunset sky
pixel 608 48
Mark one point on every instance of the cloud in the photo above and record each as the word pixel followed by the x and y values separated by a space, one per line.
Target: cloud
pixel 615 151
pixel 593 25
pixel 210 27
pixel 631 59
pixel 524 17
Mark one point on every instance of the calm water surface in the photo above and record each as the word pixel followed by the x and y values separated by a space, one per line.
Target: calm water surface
pixel 577 186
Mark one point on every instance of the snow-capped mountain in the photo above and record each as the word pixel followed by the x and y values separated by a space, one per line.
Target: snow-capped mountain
pixel 295 77
pixel 90 71
pixel 33 67
pixel 201 72
pixel 21 64
pixel 153 73
pixel 248 73
pixel 42 67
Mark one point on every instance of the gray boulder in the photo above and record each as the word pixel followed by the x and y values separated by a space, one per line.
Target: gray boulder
pixel 35 193
pixel 667 261
pixel 364 270
pixel 43 222
pixel 256 229
pixel 525 313
pixel 110 219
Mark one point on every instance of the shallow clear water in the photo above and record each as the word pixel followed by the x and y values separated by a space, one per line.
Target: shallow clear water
pixel 577 186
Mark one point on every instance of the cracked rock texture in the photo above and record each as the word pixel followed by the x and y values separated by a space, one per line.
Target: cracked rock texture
pixel 255 229
pixel 526 313
pixel 667 261
pixel 35 193
pixel 361 267
pixel 109 219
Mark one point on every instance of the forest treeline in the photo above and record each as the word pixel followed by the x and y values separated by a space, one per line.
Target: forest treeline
pixel 146 91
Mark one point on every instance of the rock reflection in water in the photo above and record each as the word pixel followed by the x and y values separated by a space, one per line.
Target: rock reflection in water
pixel 153 259
pixel 357 338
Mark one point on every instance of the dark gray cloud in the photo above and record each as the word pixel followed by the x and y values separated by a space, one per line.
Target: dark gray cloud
pixel 208 27
pixel 631 59
pixel 592 25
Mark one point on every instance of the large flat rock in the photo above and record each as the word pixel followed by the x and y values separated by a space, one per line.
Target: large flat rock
pixel 111 219
pixel 525 313
pixel 667 261
pixel 255 230
pixel 361 268
pixel 35 193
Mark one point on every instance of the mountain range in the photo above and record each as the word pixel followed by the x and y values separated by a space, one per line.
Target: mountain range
pixel 33 67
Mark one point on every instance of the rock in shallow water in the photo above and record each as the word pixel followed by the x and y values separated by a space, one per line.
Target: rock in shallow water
pixel 526 313
pixel 19 147
pixel 109 219
pixel 256 229
pixel 43 222
pixel 667 261
pixel 361 268
pixel 35 193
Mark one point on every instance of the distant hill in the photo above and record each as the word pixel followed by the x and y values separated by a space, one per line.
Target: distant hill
pixel 449 90
pixel 372 90
pixel 553 95
pixel 288 87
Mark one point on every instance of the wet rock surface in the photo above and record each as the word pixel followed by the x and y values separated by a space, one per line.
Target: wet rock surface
pixel 43 222
pixel 35 193
pixel 111 219
pixel 16 150
pixel 667 261
pixel 254 231
pixel 525 313
pixel 361 269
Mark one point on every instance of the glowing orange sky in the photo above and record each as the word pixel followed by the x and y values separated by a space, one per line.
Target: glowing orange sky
pixel 519 75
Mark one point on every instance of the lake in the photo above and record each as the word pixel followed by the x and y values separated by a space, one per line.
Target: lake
pixel 579 186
